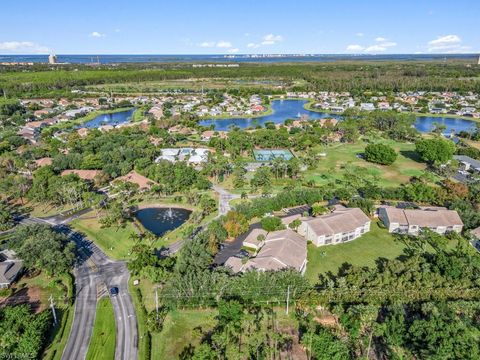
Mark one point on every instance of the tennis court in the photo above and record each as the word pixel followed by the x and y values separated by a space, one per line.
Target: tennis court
pixel 269 155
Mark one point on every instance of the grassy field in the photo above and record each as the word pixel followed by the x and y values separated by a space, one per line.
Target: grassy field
pixel 102 343
pixel 179 331
pixel 45 210
pixel 339 156
pixel 114 241
pixel 377 243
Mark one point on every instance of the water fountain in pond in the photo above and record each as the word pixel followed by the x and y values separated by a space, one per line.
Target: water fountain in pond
pixel 161 220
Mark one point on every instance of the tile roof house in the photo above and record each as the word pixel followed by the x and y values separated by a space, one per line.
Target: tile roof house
pixel 10 268
pixel 43 162
pixel 83 174
pixel 133 177
pixel 282 249
pixel 341 225
pixel 411 221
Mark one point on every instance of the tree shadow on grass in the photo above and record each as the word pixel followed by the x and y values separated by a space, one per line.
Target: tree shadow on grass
pixel 411 154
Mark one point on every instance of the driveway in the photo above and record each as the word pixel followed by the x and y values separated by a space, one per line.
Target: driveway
pixel 224 198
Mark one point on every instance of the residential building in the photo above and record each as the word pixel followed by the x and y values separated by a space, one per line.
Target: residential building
pixel 339 226
pixel 367 106
pixel 476 233
pixel 43 162
pixel 412 221
pixel 10 268
pixel 468 164
pixel 254 238
pixel 88 175
pixel 281 250
pixel 52 59
pixel 133 177
pixel 190 155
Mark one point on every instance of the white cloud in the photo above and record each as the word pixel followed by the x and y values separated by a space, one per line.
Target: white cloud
pixel 23 47
pixel 381 46
pixel 355 48
pixel 96 34
pixel 447 44
pixel 271 39
pixel 207 44
pixel 359 34
pixel 375 49
pixel 117 30
pixel 224 44
pixel 445 40
pixel 233 50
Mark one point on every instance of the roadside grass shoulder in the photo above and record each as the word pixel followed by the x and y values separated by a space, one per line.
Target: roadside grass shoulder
pixel 144 336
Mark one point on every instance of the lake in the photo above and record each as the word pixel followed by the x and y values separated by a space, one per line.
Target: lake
pixel 113 119
pixel 292 109
pixel 160 220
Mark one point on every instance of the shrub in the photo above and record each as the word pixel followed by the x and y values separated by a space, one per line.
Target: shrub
pixel 272 223
pixel 380 154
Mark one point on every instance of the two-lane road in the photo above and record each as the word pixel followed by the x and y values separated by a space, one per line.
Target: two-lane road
pixel 93 271
pixel 116 275
pixel 84 313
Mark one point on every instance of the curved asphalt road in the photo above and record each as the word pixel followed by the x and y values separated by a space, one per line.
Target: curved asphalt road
pixel 95 273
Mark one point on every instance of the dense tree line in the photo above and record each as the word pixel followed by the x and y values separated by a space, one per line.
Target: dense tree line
pixel 194 281
pixel 353 76
pixel 23 333
pixel 41 248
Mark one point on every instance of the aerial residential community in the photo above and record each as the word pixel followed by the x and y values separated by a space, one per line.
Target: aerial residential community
pixel 306 192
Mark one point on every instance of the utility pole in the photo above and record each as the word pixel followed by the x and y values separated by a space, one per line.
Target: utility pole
pixel 156 301
pixel 52 306
pixel 288 298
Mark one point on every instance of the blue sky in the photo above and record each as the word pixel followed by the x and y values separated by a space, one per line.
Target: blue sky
pixel 242 26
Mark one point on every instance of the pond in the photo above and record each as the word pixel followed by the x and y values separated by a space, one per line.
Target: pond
pixel 293 109
pixel 159 220
pixel 113 119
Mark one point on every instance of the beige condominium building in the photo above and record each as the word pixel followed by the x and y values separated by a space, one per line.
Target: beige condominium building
pixel 339 226
pixel 411 221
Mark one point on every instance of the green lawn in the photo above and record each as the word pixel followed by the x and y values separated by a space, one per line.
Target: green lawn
pixel 180 331
pixel 114 241
pixel 339 155
pixel 102 343
pixel 45 210
pixel 377 243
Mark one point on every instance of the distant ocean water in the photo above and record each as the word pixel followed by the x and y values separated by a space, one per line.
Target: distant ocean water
pixel 113 59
